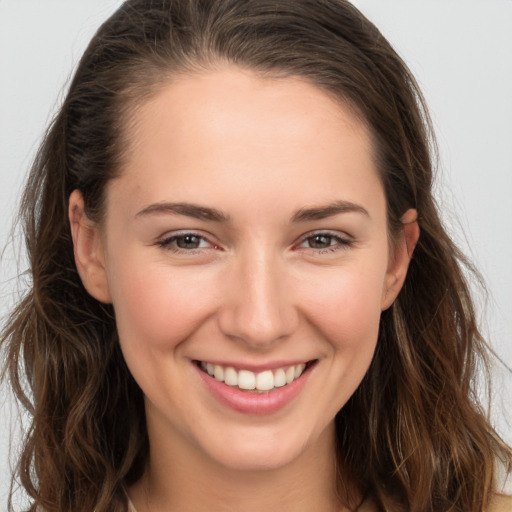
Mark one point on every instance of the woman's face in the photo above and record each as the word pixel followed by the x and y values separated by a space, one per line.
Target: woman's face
pixel 245 237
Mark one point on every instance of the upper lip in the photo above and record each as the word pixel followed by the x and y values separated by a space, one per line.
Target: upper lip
pixel 259 367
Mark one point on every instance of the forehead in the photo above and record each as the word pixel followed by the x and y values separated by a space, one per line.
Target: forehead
pixel 217 131
pixel 212 100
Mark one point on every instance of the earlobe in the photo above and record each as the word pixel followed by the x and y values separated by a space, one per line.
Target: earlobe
pixel 88 249
pixel 401 257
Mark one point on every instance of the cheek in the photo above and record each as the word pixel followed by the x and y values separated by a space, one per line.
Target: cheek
pixel 346 311
pixel 346 308
pixel 156 306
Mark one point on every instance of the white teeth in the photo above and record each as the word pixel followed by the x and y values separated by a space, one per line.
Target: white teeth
pixel 231 376
pixel 290 374
pixel 247 380
pixel 299 368
pixel 279 378
pixel 265 381
pixel 218 372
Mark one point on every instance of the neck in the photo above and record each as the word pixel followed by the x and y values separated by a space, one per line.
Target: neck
pixel 181 478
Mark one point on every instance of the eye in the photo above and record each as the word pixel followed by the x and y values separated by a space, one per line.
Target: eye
pixel 325 242
pixel 185 242
pixel 320 241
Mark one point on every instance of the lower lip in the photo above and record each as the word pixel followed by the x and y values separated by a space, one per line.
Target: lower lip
pixel 250 402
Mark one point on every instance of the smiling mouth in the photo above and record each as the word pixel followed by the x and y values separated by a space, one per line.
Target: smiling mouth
pixel 260 382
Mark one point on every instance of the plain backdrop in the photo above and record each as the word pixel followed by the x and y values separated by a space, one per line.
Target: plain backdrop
pixel 461 54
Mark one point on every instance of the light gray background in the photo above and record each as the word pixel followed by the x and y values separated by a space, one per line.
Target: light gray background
pixel 461 54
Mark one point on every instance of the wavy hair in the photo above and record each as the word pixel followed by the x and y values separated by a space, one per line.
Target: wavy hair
pixel 413 435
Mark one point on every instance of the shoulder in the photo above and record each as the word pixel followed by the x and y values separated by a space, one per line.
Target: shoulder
pixel 500 503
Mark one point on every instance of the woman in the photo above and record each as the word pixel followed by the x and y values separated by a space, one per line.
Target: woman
pixel 232 239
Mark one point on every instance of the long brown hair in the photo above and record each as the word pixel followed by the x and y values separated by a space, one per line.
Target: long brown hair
pixel 413 434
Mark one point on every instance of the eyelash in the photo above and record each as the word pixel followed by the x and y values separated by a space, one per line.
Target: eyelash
pixel 341 242
pixel 167 243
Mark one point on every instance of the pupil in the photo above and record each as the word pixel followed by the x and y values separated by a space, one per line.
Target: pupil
pixel 188 242
pixel 320 241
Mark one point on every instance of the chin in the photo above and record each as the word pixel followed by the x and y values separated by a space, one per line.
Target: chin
pixel 262 451
pixel 256 458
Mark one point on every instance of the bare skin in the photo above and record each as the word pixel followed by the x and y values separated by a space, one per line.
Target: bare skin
pixel 283 258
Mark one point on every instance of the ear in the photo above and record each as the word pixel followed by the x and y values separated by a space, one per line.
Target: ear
pixel 88 249
pixel 402 254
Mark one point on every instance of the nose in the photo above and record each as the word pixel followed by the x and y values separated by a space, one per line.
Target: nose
pixel 258 306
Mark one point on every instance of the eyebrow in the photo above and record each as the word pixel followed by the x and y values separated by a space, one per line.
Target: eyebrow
pixel 188 209
pixel 211 214
pixel 323 212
